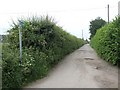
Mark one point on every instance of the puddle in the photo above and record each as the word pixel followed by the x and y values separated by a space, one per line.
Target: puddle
pixel 88 58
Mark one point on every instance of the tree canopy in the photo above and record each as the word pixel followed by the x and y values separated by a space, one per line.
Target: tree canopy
pixel 95 25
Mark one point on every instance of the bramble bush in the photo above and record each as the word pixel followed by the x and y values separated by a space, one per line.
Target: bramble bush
pixel 106 42
pixel 44 44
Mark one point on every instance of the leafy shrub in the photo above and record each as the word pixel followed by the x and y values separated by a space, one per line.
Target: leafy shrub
pixel 107 41
pixel 44 45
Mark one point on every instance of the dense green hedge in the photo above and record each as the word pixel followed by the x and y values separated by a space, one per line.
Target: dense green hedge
pixel 44 45
pixel 106 42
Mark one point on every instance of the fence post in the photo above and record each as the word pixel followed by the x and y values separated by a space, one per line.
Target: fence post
pixel 20 39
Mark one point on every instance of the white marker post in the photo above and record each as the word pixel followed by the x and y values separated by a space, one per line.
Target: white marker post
pixel 119 8
pixel 20 40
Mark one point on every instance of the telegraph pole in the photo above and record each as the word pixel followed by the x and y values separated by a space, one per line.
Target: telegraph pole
pixel 108 13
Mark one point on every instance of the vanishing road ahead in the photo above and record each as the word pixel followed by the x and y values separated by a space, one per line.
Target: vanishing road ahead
pixel 81 69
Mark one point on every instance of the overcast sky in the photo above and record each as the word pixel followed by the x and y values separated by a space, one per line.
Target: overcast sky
pixel 73 15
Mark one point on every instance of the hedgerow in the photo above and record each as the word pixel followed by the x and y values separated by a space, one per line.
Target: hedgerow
pixel 106 42
pixel 44 44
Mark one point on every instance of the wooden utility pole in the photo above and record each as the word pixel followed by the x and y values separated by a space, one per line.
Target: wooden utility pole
pixel 108 13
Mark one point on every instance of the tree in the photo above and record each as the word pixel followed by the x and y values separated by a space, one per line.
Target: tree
pixel 95 25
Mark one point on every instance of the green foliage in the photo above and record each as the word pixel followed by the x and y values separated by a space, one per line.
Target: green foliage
pixel 0 51
pixel 44 45
pixel 107 42
pixel 0 65
pixel 95 25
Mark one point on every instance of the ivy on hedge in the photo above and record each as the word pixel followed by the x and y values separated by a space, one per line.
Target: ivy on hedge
pixel 44 45
pixel 106 42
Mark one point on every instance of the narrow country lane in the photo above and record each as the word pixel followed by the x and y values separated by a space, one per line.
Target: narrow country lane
pixel 81 69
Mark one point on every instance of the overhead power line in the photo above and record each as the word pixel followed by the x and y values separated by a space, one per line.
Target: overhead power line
pixel 64 10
